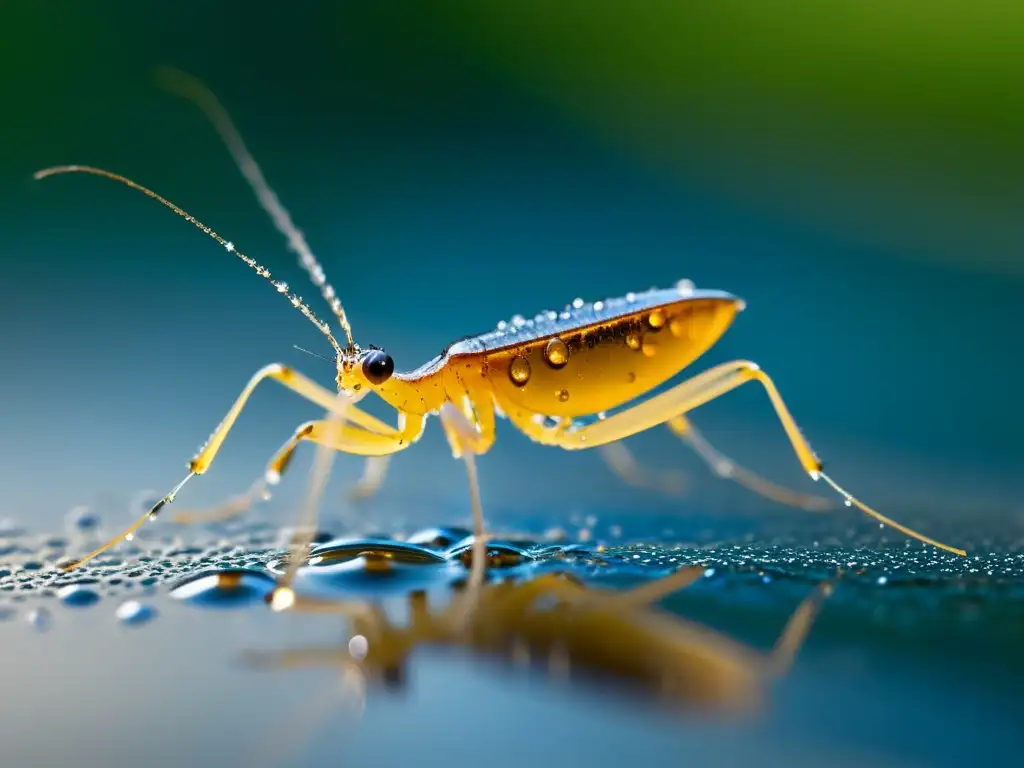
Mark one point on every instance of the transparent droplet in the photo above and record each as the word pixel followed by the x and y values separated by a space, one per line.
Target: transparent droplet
pixel 577 303
pixel 656 319
pixel 77 596
pixel 502 325
pixel 649 348
pixel 39 619
pixel 685 287
pixel 633 340
pixel 556 353
pixel 630 297
pixel 133 613
pixel 518 321
pixel 358 647
pixel 82 518
pixel 598 306
pixel 563 395
pixel 519 371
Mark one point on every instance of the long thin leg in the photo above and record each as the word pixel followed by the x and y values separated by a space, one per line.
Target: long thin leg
pixel 687 396
pixel 795 632
pixel 726 468
pixel 375 469
pixel 624 464
pixel 291 379
pixel 301 385
pixel 480 438
pixel 467 440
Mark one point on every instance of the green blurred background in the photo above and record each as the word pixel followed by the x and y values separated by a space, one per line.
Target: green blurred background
pixel 854 170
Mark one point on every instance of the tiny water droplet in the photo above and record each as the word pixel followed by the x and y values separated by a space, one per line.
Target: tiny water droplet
pixel 882 581
pixel 656 319
pixel 358 647
pixel 633 340
pixel 631 297
pixel 577 303
pixel 848 502
pixel 563 395
pixel 519 371
pixel 598 306
pixel 502 325
pixel 133 613
pixel 77 596
pixel 556 353
pixel 40 619
pixel 649 348
pixel 685 287
pixel 81 518
pixel 518 321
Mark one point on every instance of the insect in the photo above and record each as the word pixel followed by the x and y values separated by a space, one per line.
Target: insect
pixel 556 623
pixel 544 375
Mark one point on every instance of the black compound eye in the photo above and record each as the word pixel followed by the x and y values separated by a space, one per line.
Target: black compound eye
pixel 378 366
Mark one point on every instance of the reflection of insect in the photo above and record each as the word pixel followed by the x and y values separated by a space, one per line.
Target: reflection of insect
pixel 555 622
pixel 543 374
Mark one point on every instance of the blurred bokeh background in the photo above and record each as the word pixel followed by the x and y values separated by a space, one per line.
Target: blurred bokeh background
pixel 853 170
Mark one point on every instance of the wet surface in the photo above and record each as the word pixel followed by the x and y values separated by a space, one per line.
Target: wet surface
pixel 156 630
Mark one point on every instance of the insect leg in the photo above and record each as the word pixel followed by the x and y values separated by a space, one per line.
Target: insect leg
pixel 687 396
pixel 375 469
pixel 795 632
pixel 624 464
pixel 726 468
pixel 301 385
pixel 294 381
pixel 467 439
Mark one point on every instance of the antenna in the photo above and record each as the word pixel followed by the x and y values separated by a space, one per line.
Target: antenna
pixel 194 90
pixel 262 271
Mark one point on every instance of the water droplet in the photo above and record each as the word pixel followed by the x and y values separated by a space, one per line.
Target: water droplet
pixel 500 554
pixel 649 348
pixel 519 371
pixel 882 581
pixel 848 502
pixel 685 287
pixel 358 647
pixel 577 303
pixel 631 297
pixel 556 353
pixel 40 619
pixel 518 321
pixel 562 395
pixel 81 518
pixel 133 613
pixel 598 306
pixel 77 596
pixel 551 315
pixel 438 538
pixel 502 325
pixel 633 340
pixel 656 319
pixel 224 589
pixel 630 377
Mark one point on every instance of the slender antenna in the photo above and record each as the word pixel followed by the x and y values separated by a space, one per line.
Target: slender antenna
pixel 194 90
pixel 262 271
pixel 314 354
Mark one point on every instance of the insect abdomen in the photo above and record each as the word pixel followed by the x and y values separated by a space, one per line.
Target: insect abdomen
pixel 597 368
